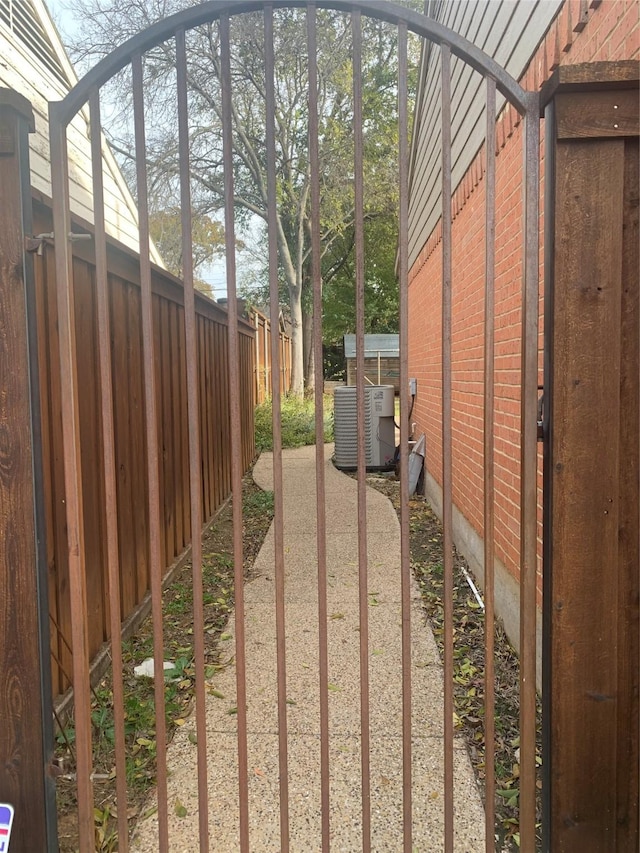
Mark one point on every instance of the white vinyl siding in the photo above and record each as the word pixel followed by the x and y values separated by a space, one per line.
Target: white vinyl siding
pixel 507 30
pixel 33 63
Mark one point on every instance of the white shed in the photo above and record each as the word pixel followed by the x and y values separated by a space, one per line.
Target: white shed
pixel 381 359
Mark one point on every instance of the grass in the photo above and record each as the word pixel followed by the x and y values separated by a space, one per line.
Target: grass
pixel 298 422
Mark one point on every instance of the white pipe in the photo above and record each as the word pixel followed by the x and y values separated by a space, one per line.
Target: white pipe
pixel 474 588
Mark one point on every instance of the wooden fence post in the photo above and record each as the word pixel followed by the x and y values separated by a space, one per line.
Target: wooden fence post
pixel 25 678
pixel 592 446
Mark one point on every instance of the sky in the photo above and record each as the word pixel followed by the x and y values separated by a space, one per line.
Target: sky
pixel 68 25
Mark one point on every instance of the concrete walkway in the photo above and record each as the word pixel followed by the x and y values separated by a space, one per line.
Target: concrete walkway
pixel 344 697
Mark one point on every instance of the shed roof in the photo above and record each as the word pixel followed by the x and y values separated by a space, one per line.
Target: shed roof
pixel 386 345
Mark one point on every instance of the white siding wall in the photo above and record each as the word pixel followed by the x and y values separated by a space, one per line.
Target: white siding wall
pixel 507 30
pixel 22 70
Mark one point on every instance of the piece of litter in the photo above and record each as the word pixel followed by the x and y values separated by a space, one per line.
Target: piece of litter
pixel 147 668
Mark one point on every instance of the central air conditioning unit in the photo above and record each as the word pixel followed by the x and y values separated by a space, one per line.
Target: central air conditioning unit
pixel 379 428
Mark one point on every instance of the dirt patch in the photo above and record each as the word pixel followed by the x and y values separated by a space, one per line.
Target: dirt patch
pixel 218 592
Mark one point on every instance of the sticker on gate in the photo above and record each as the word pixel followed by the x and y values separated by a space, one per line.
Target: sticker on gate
pixel 6 819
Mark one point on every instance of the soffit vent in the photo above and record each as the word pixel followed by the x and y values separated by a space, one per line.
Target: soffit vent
pixel 21 18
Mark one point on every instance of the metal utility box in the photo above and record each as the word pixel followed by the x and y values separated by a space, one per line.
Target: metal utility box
pixel 380 443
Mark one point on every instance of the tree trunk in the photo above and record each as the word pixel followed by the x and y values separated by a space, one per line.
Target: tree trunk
pixel 297 345
pixel 309 355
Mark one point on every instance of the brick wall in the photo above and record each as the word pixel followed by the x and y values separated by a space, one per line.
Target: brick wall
pixel 582 32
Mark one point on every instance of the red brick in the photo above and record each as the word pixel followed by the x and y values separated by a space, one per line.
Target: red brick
pixel 611 32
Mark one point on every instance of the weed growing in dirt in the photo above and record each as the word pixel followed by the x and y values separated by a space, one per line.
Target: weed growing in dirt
pixel 258 502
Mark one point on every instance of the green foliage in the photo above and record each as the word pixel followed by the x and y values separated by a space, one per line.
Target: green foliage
pixel 207 240
pixel 166 231
pixel 298 423
pixel 106 832
pixel 381 285
pixel 258 503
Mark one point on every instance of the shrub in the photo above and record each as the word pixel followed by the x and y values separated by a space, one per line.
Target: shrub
pixel 298 422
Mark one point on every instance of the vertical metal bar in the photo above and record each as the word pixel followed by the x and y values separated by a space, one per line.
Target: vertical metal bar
pixel 109 463
pixel 447 497
pixel 272 213
pixel 528 477
pixel 405 556
pixel 151 428
pixel 236 447
pixel 72 480
pixel 489 477
pixel 193 428
pixel 550 178
pixel 316 274
pixel 360 395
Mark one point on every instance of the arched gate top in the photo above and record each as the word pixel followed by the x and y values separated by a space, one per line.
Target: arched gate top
pixel 205 13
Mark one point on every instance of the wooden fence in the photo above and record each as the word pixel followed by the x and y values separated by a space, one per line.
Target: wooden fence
pixel 127 367
pixel 263 369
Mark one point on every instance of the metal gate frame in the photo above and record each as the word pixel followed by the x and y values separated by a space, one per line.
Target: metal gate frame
pixel 87 90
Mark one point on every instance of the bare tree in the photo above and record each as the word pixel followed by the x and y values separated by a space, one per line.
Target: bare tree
pixel 106 23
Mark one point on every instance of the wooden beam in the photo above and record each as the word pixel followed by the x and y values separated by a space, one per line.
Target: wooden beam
pixel 593 115
pixel 26 736
pixel 591 77
pixel 592 448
